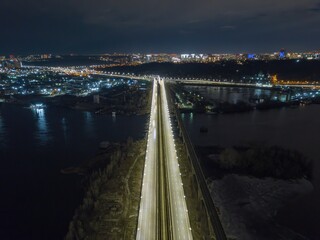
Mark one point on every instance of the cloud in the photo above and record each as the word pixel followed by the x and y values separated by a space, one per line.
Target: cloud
pixel 165 12
pixel 154 13
pixel 122 23
pixel 315 8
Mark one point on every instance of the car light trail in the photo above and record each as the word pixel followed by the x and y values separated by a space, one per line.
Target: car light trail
pixel 179 214
pixel 163 210
pixel 147 221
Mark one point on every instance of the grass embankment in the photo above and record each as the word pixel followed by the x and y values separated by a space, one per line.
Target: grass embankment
pixel 110 206
pixel 197 214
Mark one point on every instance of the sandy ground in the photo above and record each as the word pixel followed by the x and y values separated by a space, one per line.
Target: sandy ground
pixel 248 205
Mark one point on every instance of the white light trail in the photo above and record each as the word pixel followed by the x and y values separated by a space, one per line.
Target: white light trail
pixel 179 212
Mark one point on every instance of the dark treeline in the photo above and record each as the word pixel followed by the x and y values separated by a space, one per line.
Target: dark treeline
pixel 97 182
pixel 285 69
pixel 262 161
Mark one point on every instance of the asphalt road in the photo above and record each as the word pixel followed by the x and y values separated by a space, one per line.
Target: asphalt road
pixel 147 220
pixel 163 212
pixel 178 208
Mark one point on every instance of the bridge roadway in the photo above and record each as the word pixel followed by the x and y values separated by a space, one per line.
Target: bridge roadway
pixel 147 219
pixel 181 229
pixel 163 210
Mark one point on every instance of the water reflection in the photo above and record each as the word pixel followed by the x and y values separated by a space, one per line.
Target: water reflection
pixel 42 125
pixel 1 124
pixel 234 97
pixel 89 123
pixel 38 144
pixel 191 118
pixel 257 92
pixel 64 128
pixel 230 94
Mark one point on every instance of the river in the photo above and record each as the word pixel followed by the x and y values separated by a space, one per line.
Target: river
pixel 37 201
pixel 291 128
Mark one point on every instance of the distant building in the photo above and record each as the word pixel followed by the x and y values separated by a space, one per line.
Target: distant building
pixel 17 63
pixel 251 56
pixel 282 54
pixel 45 56
pixel 258 79
pixel 13 63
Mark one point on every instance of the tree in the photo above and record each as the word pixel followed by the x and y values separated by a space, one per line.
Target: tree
pixel 229 158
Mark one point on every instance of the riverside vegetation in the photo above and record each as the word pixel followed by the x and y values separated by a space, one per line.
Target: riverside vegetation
pixel 265 161
pixel 112 194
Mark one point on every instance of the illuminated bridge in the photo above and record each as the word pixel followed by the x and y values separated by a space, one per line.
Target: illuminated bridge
pixel 163 210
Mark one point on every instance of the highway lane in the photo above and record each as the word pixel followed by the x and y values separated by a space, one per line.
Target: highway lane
pixel 163 210
pixel 164 200
pixel 178 208
pixel 147 221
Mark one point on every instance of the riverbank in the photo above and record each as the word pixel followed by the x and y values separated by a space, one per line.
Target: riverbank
pixel 243 107
pixel 121 100
pixel 231 100
pixel 110 206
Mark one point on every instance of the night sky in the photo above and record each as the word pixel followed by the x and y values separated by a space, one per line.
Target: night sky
pixel 107 26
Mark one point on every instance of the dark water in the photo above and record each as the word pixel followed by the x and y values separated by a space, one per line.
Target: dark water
pixel 291 128
pixel 37 202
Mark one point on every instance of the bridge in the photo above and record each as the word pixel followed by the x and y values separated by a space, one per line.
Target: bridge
pixel 163 212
